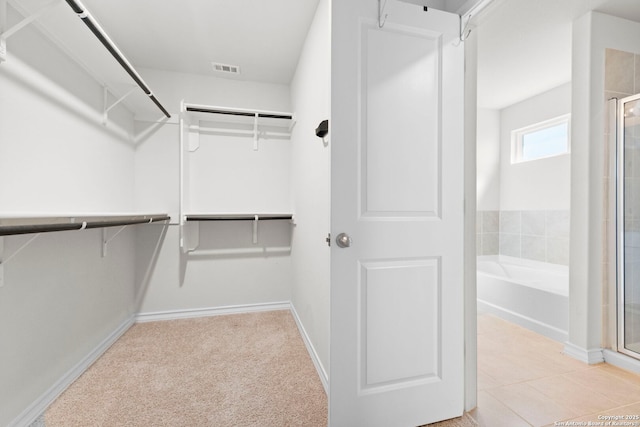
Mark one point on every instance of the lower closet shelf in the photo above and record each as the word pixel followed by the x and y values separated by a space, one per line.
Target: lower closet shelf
pixel 238 217
pixel 190 237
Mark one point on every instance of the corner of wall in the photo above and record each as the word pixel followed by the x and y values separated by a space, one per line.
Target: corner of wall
pixel 589 356
pixel 310 255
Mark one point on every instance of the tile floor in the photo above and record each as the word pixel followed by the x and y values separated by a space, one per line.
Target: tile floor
pixel 524 379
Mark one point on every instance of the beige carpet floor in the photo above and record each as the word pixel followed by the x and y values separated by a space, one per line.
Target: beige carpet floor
pixel 234 370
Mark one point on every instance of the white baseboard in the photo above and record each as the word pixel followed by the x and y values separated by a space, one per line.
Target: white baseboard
pixel 591 356
pixel 621 361
pixel 37 408
pixel 322 373
pixel 213 311
pixel 524 321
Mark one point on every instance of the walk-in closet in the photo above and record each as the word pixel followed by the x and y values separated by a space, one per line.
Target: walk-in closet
pixel 166 160
pixel 182 194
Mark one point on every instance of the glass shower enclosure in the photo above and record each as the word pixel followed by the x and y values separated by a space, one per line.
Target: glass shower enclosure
pixel 628 224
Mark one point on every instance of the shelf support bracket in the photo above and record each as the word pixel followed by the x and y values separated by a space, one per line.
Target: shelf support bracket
pixel 4 261
pixel 105 114
pixel 292 124
pixel 105 240
pixel 192 236
pixel 255 132
pixel 255 229
pixel 5 32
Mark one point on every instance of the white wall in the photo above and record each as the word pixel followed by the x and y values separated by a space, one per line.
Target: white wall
pixel 60 298
pixel 172 87
pixel 310 90
pixel 544 184
pixel 488 159
pixel 540 185
pixel 55 154
pixel 226 175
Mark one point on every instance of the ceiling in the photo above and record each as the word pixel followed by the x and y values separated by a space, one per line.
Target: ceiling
pixel 524 46
pixel 263 37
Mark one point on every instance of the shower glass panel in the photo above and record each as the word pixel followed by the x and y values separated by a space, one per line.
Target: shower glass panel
pixel 629 226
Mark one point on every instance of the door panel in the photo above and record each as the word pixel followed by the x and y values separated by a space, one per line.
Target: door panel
pixel 400 103
pixel 396 356
pixel 399 322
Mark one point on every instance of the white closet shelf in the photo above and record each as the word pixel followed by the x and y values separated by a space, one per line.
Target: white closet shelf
pixel 237 216
pixel 261 124
pixel 99 56
pixel 241 112
pixel 42 224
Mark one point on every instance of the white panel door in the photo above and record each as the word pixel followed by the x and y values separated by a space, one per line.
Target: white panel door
pixel 397 192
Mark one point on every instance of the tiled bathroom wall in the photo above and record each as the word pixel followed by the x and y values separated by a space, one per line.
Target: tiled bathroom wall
pixel 488 232
pixel 535 235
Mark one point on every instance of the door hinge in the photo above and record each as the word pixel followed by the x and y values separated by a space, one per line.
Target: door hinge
pixel 328 239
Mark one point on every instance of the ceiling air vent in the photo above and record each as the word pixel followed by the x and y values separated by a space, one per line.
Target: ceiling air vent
pixel 226 68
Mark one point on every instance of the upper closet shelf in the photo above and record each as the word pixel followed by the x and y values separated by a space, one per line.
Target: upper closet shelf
pixel 228 111
pixel 102 36
pixel 98 55
pixel 261 124
pixel 28 225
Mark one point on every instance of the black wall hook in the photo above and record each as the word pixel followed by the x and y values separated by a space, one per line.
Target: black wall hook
pixel 323 129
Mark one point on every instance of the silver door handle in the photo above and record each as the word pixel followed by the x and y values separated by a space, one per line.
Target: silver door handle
pixel 343 240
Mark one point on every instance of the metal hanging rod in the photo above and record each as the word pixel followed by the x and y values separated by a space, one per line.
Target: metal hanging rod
pixel 238 112
pixel 14 226
pixel 95 28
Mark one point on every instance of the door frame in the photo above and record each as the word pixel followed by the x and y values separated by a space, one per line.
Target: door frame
pixel 469 34
pixel 620 285
pixel 470 253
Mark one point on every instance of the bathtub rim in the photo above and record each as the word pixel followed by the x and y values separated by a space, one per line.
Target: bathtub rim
pixel 538 265
pixel 556 270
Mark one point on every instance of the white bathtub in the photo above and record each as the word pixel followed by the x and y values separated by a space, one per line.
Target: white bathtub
pixel 532 294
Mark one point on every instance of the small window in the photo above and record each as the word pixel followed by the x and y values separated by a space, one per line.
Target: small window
pixel 541 140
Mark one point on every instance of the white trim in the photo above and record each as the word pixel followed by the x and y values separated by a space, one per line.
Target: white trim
pixel 591 357
pixel 621 361
pixel 322 373
pixel 472 8
pixel 39 406
pixel 211 311
pixel 541 328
